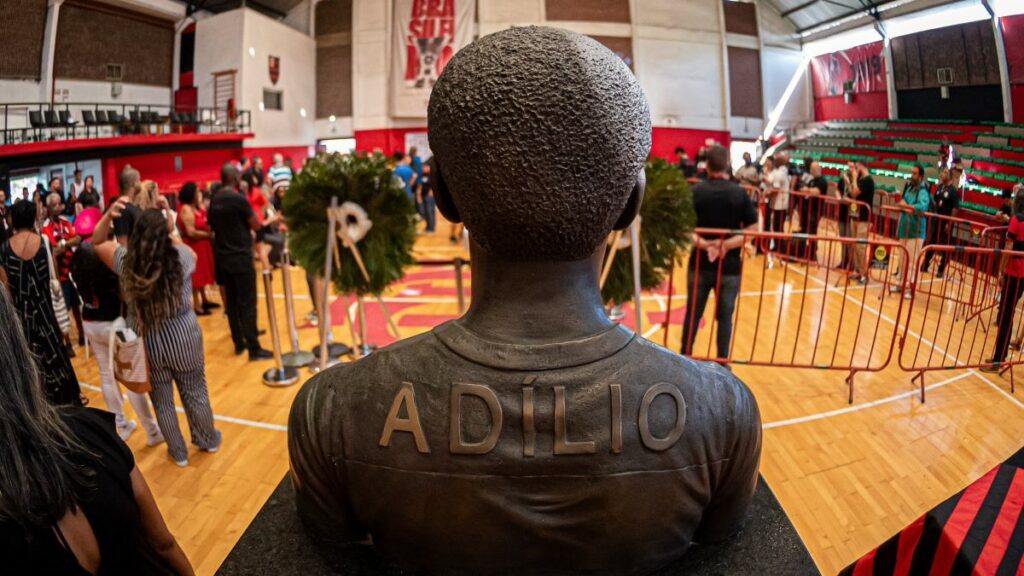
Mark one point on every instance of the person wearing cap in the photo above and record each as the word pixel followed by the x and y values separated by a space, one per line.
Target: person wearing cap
pixel 1006 210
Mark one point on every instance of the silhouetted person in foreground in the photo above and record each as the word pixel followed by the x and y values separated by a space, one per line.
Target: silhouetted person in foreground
pixel 532 435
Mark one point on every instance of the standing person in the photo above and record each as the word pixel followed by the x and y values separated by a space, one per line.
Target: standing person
pixel 77 186
pixel 155 273
pixel 945 202
pixel 72 499
pixel 89 196
pixel 26 274
pixel 280 174
pixel 254 176
pixel 417 164
pixel 63 242
pixel 425 198
pixel 860 187
pixel 407 175
pixel 101 305
pixel 1006 209
pixel 130 185
pixel 719 203
pixel 778 196
pixel 748 175
pixel 195 232
pixel 684 164
pixel 5 217
pixel 1013 284
pixel 913 225
pixel 232 220
pixel 817 189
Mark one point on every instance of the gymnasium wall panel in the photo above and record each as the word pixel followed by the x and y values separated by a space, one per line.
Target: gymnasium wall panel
pixel 780 65
pixel 745 82
pixel 588 11
pixel 91 36
pixel 21 33
pixel 968 50
pixel 740 17
pixel 680 14
pixel 334 58
pixel 863 69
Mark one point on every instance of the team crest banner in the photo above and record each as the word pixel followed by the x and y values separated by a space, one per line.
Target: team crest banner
pixel 427 33
pixel 861 65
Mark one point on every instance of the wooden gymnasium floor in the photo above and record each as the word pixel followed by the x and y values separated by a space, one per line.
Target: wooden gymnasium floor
pixel 849 476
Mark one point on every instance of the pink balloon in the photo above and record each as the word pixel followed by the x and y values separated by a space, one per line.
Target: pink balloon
pixel 86 221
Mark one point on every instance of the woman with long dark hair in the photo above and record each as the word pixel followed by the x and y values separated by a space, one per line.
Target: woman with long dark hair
pixel 101 306
pixel 156 281
pixel 72 500
pixel 25 272
pixel 89 196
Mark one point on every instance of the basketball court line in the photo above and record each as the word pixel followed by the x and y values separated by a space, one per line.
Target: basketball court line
pixel 917 336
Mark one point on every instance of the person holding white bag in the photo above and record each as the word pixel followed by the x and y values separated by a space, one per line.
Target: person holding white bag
pixel 155 272
pixel 101 313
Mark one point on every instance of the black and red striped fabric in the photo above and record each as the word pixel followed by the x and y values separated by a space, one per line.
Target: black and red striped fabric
pixel 979 531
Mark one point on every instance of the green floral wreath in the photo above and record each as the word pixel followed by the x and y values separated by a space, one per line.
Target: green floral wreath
pixel 386 250
pixel 667 223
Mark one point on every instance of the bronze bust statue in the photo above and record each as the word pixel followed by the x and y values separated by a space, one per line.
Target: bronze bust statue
pixel 532 435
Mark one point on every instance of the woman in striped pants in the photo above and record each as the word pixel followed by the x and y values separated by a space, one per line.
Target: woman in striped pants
pixel 156 279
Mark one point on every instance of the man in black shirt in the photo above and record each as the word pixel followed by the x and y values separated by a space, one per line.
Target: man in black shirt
pixel 945 202
pixel 129 183
pixel 817 187
pixel 684 164
pixel 233 221
pixel 719 203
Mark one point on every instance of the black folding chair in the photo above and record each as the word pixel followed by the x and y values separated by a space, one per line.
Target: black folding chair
pixel 67 122
pixel 89 119
pixel 35 119
pixel 52 121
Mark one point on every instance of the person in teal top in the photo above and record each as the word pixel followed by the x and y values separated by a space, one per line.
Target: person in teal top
pixel 913 226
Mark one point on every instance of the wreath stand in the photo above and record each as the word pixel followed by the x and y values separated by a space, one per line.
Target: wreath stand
pixel 615 242
pixel 338 229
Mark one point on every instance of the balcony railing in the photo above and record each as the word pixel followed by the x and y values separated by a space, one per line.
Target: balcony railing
pixel 41 121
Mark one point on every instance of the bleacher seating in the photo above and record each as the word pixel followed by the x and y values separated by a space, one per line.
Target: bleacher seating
pixel 992 153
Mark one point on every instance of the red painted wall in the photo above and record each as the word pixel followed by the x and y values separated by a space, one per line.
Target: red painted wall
pixel 868 105
pixel 388 140
pixel 665 140
pixel 196 165
pixel 865 67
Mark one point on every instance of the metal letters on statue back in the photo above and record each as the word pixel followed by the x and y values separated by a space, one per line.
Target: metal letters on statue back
pixel 531 435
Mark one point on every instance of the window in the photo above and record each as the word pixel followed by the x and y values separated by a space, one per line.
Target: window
pixel 115 72
pixel 273 100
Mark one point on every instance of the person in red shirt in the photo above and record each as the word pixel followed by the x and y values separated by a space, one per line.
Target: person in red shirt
pixel 1013 282
pixel 63 241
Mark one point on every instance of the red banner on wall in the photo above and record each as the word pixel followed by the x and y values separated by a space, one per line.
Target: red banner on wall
pixel 862 65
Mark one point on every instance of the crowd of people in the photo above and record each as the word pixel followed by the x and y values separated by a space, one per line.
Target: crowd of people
pixel 782 197
pixel 76 271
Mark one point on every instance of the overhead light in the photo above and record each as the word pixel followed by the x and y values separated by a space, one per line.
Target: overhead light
pixel 262 107
pixel 252 51
pixel 302 112
pixel 333 118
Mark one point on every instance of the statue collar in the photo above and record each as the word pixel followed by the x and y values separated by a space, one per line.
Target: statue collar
pixel 476 349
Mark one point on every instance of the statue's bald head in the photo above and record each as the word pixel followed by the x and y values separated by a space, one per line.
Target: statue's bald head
pixel 540 135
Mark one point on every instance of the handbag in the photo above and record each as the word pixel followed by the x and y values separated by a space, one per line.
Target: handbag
pixel 60 309
pixel 128 361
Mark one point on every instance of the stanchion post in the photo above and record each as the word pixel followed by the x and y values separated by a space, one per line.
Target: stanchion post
pixel 325 307
pixel 279 375
pixel 634 246
pixel 296 357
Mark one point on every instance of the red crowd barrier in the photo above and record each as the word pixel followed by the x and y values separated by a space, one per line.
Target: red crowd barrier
pixel 992 328
pixel 805 322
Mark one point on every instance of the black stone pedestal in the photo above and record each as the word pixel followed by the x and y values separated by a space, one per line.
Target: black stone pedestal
pixel 275 543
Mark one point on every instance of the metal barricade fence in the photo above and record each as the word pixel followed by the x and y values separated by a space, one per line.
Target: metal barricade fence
pixel 829 216
pixel 992 329
pixel 804 323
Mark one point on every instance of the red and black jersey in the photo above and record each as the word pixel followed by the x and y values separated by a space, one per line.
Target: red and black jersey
pixel 978 531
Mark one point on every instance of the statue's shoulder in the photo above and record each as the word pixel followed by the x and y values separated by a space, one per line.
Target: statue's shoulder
pixel 707 382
